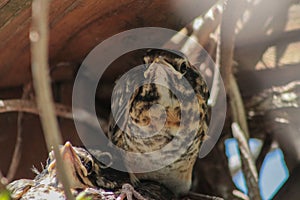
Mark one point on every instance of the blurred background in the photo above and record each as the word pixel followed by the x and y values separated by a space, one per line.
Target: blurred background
pixel 261 38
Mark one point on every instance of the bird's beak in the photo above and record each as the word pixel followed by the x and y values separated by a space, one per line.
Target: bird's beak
pixel 68 155
pixel 160 67
pixel 71 160
pixel 72 163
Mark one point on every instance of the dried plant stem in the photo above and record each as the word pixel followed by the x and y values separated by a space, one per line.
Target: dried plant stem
pixel 193 195
pixel 3 181
pixel 240 195
pixel 215 89
pixel 39 59
pixel 248 165
pixel 209 24
pixel 18 105
pixel 15 161
pixel 228 31
pixel 237 105
pixel 228 25
pixel 18 146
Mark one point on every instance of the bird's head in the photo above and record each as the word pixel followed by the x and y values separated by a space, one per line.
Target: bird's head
pixel 172 60
pixel 84 170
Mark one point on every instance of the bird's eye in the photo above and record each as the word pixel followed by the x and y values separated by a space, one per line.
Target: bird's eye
pixel 183 67
pixel 88 165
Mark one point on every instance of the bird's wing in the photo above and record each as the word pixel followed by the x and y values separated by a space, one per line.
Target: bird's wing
pixel 19 187
pixel 123 95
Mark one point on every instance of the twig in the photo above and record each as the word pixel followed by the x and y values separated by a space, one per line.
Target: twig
pixel 237 105
pixel 4 193
pixel 193 195
pixel 240 195
pixel 3 181
pixel 15 161
pixel 214 93
pixel 28 106
pixel 227 43
pixel 228 27
pixel 18 105
pixel 203 27
pixel 201 33
pixel 18 146
pixel 39 59
pixel 248 165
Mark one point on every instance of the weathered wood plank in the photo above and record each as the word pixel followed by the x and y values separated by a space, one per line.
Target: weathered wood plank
pixel 77 26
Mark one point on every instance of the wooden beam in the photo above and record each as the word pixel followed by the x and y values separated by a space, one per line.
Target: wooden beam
pixel 76 27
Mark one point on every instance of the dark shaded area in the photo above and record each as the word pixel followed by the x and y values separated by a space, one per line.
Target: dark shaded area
pixel 290 190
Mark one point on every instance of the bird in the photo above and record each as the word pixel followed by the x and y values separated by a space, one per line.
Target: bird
pixel 160 107
pixel 83 168
pixel 89 179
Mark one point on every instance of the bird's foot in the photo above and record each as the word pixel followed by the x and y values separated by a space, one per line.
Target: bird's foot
pixel 128 192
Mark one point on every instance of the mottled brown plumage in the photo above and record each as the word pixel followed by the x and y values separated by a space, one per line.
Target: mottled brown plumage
pixel 84 170
pixel 89 180
pixel 160 115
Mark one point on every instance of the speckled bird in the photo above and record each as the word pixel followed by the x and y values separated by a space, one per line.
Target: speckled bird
pixel 90 179
pixel 84 171
pixel 160 115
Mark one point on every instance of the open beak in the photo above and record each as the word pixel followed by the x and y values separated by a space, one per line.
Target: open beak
pixel 68 155
pixel 72 163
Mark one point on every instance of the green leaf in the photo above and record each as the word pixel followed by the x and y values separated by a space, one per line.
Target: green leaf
pixel 5 195
pixel 81 196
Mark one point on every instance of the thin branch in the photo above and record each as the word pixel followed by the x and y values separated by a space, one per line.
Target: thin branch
pixel 240 195
pixel 215 89
pixel 248 165
pixel 203 27
pixel 228 28
pixel 237 105
pixel 193 195
pixel 15 161
pixel 4 193
pixel 18 105
pixel 18 146
pixel 3 181
pixel 39 37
